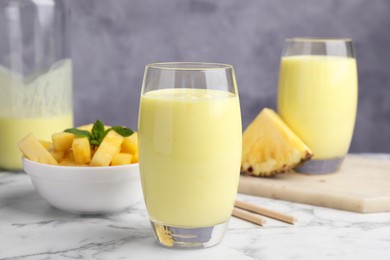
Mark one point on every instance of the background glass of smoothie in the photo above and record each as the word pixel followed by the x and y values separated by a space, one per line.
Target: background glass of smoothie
pixel 35 74
pixel 190 151
pixel 317 98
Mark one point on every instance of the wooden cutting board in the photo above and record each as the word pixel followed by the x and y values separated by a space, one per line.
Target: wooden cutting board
pixel 361 185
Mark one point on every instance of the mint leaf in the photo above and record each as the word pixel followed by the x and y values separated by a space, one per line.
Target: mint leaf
pixel 78 132
pixel 123 131
pixel 97 133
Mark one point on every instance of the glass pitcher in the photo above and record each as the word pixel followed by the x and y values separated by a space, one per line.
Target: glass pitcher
pixel 35 74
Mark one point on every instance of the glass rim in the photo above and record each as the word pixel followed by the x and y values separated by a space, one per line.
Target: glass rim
pixel 189 66
pixel 318 39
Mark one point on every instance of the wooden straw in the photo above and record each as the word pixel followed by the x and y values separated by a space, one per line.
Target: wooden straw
pixel 265 212
pixel 248 216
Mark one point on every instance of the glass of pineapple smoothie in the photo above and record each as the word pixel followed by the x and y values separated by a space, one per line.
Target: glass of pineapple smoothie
pixel 317 98
pixel 190 151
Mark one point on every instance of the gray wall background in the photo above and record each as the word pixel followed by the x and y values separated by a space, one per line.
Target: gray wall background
pixel 113 40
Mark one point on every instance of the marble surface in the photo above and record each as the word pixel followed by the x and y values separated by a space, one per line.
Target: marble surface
pixel 31 229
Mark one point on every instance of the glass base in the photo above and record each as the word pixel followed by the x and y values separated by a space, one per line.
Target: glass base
pixel 188 238
pixel 320 166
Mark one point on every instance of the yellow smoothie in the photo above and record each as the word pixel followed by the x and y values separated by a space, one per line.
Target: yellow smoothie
pixel 318 99
pixel 190 152
pixel 40 104
pixel 14 129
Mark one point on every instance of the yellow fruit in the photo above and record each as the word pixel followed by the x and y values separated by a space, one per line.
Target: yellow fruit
pixel 72 149
pixel 110 146
pixel 121 158
pixel 130 144
pixel 81 150
pixel 135 158
pixel 271 147
pixel 35 151
pixel 69 160
pixel 62 141
pixel 59 156
pixel 45 144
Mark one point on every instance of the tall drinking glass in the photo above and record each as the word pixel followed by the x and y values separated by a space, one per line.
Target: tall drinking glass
pixel 317 98
pixel 190 151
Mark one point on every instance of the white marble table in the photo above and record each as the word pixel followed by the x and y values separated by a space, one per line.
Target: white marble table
pixel 31 229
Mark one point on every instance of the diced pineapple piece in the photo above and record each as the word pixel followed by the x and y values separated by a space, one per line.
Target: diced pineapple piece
pixel 62 141
pixel 135 158
pixel 35 151
pixel 59 156
pixel 130 144
pixel 81 150
pixel 45 144
pixel 69 155
pixel 121 158
pixel 67 162
pixel 107 149
pixel 70 161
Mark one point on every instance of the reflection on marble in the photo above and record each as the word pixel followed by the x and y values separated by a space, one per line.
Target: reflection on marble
pixel 31 229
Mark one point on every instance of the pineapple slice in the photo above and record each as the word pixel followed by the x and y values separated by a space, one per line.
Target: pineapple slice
pixel 35 151
pixel 110 145
pixel 81 150
pixel 270 147
pixel 130 144
pixel 62 141
pixel 121 158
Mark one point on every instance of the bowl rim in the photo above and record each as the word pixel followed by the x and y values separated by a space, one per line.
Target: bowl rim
pixel 79 167
pixel 80 173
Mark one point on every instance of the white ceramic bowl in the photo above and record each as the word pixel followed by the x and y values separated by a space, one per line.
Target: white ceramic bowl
pixel 86 190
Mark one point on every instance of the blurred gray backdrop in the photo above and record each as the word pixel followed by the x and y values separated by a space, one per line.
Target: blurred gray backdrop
pixel 113 40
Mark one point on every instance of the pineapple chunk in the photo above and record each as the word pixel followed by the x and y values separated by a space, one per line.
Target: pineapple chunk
pixel 45 144
pixel 59 156
pixel 121 158
pixel 35 151
pixel 108 148
pixel 135 158
pixel 130 144
pixel 68 155
pixel 270 147
pixel 62 141
pixel 81 150
pixel 69 160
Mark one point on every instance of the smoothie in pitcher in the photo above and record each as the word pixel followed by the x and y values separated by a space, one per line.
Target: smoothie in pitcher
pixel 14 129
pixel 40 104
